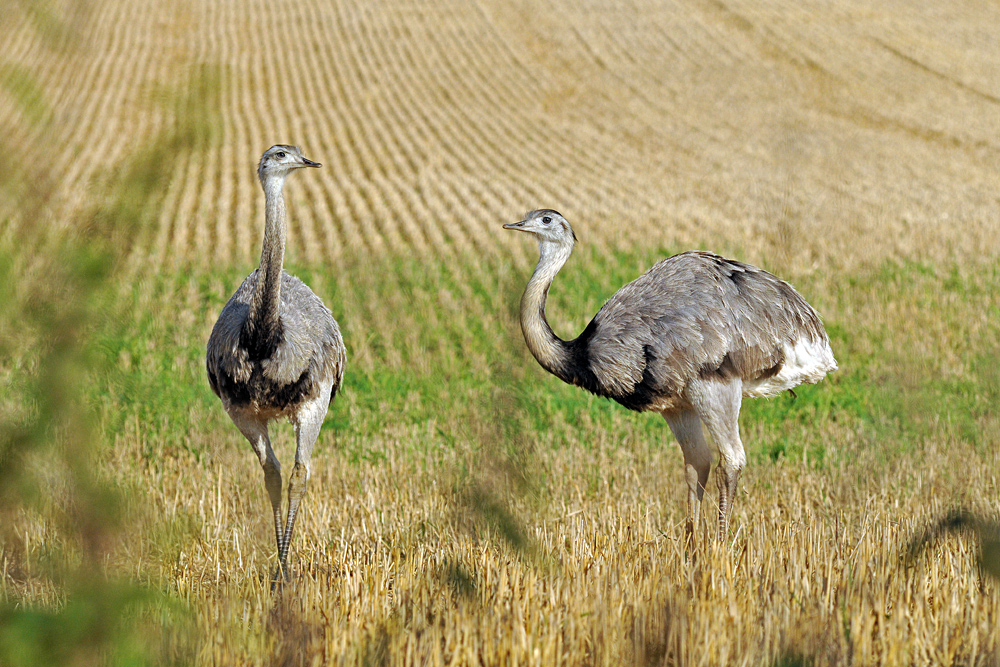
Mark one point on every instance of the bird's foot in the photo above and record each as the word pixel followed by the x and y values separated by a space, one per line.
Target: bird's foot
pixel 690 538
pixel 282 576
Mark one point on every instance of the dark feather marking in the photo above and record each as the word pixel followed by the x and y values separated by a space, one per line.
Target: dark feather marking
pixel 579 373
pixel 736 365
pixel 334 391
pixel 737 276
pixel 260 345
pixel 267 392
pixel 773 370
pixel 238 393
pixel 724 369
pixel 645 391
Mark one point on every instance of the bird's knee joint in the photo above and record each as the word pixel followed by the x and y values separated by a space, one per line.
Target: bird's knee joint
pixel 732 461
pixel 300 474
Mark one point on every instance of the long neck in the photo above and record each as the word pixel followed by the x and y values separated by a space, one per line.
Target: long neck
pixel 551 352
pixel 264 308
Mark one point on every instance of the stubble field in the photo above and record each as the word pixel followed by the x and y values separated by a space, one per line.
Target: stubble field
pixel 467 508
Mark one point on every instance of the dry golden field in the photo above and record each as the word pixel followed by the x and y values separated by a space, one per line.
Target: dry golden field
pixel 466 508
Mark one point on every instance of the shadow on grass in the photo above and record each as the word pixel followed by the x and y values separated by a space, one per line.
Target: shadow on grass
pixel 986 531
pixel 503 475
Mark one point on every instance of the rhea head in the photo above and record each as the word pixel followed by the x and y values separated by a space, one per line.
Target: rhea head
pixel 547 225
pixel 279 161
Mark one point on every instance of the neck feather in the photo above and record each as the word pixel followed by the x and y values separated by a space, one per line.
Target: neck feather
pixel 551 352
pixel 264 308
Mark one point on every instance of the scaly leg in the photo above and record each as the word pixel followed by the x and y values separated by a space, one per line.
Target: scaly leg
pixel 296 491
pixel 686 427
pixel 718 402
pixel 255 430
pixel 307 425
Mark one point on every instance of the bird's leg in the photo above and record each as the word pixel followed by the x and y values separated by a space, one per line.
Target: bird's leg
pixel 307 425
pixel 296 491
pixel 718 404
pixel 686 427
pixel 728 478
pixel 272 482
pixel 255 430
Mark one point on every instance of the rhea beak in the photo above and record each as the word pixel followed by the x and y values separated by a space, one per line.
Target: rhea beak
pixel 306 162
pixel 519 226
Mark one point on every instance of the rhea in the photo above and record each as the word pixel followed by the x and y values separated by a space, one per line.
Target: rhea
pixel 690 338
pixel 276 353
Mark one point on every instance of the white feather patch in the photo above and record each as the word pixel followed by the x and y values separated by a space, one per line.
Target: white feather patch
pixel 807 361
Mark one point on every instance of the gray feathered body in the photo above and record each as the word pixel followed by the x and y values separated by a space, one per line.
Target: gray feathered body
pixel 270 370
pixel 697 314
pixel 276 352
pixel 689 339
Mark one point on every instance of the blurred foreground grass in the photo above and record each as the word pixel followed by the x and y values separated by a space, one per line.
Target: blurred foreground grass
pixel 62 604
pixel 467 506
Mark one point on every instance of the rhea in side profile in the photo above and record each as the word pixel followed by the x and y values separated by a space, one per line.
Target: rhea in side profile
pixel 276 352
pixel 688 339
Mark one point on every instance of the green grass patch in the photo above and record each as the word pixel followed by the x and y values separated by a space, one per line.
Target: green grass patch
pixel 427 348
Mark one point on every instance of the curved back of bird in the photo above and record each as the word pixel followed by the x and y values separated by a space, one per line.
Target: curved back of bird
pixel 693 315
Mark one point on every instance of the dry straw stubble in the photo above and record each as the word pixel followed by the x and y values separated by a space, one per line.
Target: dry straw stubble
pixel 848 150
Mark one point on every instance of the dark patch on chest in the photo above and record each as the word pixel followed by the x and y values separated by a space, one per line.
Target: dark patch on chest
pixel 260 389
pixel 577 371
pixel 643 394
pixel 260 342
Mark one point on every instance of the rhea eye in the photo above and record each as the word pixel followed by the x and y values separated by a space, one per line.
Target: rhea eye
pixel 547 220
pixel 280 155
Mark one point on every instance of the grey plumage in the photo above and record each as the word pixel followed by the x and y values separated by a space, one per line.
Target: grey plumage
pixel 689 339
pixel 271 370
pixel 276 352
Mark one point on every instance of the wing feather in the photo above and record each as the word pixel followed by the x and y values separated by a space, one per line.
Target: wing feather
pixel 691 315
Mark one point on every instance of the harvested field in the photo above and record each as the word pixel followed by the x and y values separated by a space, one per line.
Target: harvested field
pixel 466 507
